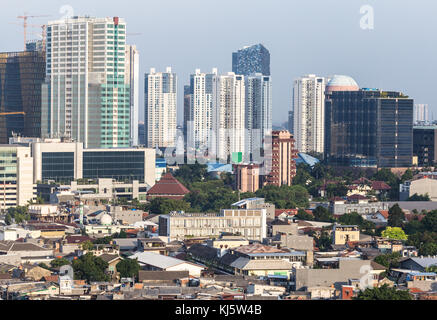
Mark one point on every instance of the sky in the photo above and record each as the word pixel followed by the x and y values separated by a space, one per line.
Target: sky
pixel 322 37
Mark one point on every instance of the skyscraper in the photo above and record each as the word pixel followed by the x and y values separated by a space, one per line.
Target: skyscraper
pixel 133 74
pixel 87 94
pixel 201 110
pixel 368 128
pixel 186 111
pixel 309 113
pixel 21 76
pixel 229 97
pixel 160 107
pixel 258 111
pixel 249 60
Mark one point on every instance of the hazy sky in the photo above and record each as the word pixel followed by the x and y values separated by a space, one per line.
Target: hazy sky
pixel 320 37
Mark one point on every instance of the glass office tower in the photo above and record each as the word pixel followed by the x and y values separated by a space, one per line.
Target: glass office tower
pixel 249 60
pixel 21 76
pixel 369 128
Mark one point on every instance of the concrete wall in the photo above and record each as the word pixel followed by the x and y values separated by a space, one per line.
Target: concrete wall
pixel 349 269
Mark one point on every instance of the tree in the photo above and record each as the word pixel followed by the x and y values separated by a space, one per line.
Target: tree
pixel 303 177
pixel 383 293
pixel 59 262
pixel 303 215
pixel 90 268
pixel 394 233
pixel 165 206
pixel 430 221
pixel 390 260
pixel 189 174
pixel 87 246
pixel 396 216
pixel 336 190
pixel 128 268
pixel 17 214
pixel 323 215
pixel 351 219
pixel 408 175
pixel 323 242
pixel 428 249
pixel 417 197
pixel 285 197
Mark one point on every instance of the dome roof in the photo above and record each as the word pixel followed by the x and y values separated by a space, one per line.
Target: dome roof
pixel 342 83
pixel 106 220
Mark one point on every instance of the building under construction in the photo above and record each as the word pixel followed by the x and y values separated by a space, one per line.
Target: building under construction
pixel 21 76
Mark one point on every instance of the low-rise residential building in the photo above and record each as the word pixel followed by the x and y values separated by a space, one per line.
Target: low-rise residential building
pixel 348 269
pixel 419 263
pixel 249 224
pixel 28 252
pixel 421 186
pixel 156 262
pixel 344 234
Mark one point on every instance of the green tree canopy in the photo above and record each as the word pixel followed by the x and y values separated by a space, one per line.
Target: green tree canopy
pixel 90 268
pixel 128 268
pixel 417 197
pixel 396 216
pixel 303 215
pixel 17 214
pixel 165 206
pixel 390 260
pixel 323 215
pixel 383 293
pixel 59 262
pixel 285 197
pixel 394 233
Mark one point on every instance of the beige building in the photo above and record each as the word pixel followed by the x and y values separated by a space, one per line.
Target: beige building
pixel 16 176
pixel 247 177
pixel 425 186
pixel 344 234
pixel 250 224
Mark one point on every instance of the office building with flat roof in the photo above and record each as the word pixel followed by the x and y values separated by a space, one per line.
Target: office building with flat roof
pixel 16 176
pixel 368 128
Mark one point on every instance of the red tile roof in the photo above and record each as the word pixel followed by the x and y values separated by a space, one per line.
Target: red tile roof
pixel 357 197
pixel 384 213
pixel 291 212
pixel 380 185
pixel 77 239
pixel 169 187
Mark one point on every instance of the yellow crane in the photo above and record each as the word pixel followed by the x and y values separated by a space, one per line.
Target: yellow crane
pixel 12 113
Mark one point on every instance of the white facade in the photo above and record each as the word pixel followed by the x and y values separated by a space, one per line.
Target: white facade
pixel 201 110
pixel 258 111
pixel 309 113
pixel 86 96
pixel 421 113
pixel 160 108
pixel 229 113
pixel 16 176
pixel 133 73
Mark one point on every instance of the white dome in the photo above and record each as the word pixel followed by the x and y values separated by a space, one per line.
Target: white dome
pixel 106 220
pixel 342 83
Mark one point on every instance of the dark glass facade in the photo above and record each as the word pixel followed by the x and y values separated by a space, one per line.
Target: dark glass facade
pixel 122 166
pixel 58 166
pixel 425 145
pixel 21 76
pixel 369 128
pixel 255 59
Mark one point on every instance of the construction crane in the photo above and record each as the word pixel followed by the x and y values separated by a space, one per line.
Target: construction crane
pixel 25 24
pixel 12 113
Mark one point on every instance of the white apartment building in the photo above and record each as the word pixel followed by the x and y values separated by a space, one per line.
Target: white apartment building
pixel 229 114
pixel 16 176
pixel 160 108
pixel 200 119
pixel 87 94
pixel 258 112
pixel 309 113
pixel 133 74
